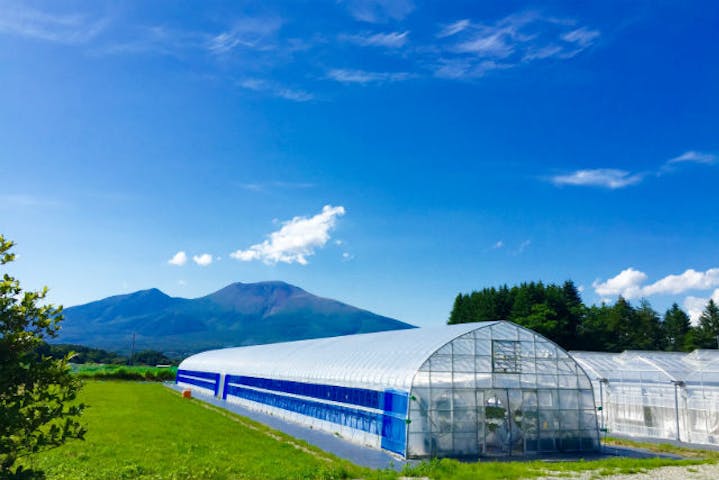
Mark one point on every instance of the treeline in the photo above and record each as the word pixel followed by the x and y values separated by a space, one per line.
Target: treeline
pixel 83 354
pixel 558 313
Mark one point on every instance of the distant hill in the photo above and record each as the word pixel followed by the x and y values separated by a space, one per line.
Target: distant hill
pixel 239 314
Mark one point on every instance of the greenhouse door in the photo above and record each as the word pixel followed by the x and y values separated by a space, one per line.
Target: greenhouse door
pixel 496 431
pixel 500 422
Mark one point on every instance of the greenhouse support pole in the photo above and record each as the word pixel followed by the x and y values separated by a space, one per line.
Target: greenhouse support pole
pixel 677 384
pixel 601 401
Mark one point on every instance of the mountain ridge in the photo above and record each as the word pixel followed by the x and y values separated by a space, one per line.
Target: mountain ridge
pixel 235 315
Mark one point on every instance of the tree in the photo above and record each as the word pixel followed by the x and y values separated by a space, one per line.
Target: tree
pixel 622 324
pixel 708 331
pixel 649 334
pixel 677 329
pixel 37 393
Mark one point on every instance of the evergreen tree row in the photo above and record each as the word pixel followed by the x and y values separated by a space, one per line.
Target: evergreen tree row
pixel 558 313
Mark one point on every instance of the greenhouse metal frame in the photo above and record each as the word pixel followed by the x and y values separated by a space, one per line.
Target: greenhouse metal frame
pixel 664 395
pixel 489 388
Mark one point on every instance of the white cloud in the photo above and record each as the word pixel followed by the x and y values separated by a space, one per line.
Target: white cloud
pixel 695 305
pixel 693 156
pixel 363 77
pixel 470 49
pixel 627 284
pixel 379 11
pixel 250 32
pixel 346 256
pixel 581 36
pixel 179 259
pixel 615 178
pixel 689 280
pixel 295 240
pixel 499 244
pixel 275 89
pixel 523 246
pixel 202 260
pixel 294 95
pixel 386 40
pixel 70 29
pixel 630 283
pixel 454 28
pixel 600 177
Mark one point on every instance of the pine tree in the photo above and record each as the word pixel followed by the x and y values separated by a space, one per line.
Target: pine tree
pixel 677 328
pixel 649 334
pixel 622 325
pixel 707 334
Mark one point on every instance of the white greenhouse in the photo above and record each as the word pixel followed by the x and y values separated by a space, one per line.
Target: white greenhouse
pixel 665 395
pixel 491 388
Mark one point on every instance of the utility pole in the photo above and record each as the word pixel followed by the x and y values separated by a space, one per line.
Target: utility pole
pixel 132 350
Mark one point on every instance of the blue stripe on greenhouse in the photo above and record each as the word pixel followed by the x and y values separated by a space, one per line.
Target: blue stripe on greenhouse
pixel 195 378
pixel 390 425
pixel 354 396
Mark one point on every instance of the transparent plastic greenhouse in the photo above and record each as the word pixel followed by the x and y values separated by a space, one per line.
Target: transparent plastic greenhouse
pixel 491 388
pixel 664 395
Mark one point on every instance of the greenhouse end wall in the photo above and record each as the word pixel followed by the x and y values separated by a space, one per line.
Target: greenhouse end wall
pixel 490 388
pixel 663 395
pixel 501 390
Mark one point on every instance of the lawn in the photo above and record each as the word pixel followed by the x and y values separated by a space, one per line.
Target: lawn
pixel 142 430
pixel 146 431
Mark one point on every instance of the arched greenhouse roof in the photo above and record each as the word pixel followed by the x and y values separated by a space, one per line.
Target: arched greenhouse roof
pixel 699 366
pixel 390 358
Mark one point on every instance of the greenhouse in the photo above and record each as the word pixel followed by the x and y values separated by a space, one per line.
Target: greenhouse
pixel 663 395
pixel 490 388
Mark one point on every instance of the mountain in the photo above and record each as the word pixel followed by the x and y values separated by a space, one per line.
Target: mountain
pixel 239 314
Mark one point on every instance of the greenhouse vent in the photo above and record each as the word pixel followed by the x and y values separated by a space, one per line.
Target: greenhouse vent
pixel 667 395
pixel 489 388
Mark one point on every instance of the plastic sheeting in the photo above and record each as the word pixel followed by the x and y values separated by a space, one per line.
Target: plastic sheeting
pixel 490 388
pixel 666 395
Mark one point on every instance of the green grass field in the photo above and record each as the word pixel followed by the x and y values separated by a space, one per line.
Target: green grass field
pixel 146 431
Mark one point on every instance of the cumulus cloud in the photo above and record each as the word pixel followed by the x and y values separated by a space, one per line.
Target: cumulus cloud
pixel 695 305
pixel 499 244
pixel 630 283
pixel 601 177
pixel 179 259
pixel 627 284
pixel 689 280
pixel 202 260
pixel 296 240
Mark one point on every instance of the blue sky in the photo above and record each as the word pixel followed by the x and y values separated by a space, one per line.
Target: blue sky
pixel 386 153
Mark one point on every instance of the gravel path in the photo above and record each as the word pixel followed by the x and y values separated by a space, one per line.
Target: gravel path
pixel 693 472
